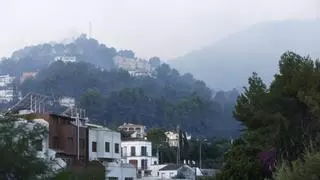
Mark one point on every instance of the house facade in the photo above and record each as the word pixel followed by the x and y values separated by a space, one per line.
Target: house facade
pixel 173 138
pixel 70 144
pixel 105 146
pixel 138 152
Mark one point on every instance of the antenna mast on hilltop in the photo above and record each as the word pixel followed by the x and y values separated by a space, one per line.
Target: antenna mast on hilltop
pixel 90 30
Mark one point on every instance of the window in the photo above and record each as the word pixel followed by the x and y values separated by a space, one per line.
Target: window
pixel 143 151
pixel 171 174
pixel 133 151
pixel 107 147
pixel 116 148
pixel 82 143
pixel 131 129
pixel 128 178
pixel 138 129
pixel 94 146
pixel 55 142
pixel 144 164
pixel 155 163
pixel 38 145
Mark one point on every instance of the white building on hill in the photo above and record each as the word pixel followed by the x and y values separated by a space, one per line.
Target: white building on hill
pixel 173 138
pixel 67 101
pixel 6 80
pixel 65 58
pixel 6 88
pixel 6 95
pixel 135 67
pixel 138 152
pixel 138 131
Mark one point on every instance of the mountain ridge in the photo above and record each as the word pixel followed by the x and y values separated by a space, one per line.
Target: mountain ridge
pixel 230 61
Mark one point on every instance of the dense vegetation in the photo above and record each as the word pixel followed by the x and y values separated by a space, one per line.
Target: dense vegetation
pixel 111 96
pixel 19 158
pixel 280 122
pixel 33 58
pixel 212 150
pixel 114 97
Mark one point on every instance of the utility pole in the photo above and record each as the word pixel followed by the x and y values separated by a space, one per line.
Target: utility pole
pixel 178 148
pixel 200 158
pixel 78 134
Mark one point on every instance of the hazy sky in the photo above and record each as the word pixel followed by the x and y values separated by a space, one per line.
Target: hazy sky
pixel 166 28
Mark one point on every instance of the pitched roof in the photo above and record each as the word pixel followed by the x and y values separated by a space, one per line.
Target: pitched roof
pixel 171 167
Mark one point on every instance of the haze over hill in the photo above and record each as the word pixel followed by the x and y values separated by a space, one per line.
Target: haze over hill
pixel 229 62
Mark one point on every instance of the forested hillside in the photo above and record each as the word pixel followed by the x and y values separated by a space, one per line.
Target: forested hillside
pixel 111 96
pixel 33 58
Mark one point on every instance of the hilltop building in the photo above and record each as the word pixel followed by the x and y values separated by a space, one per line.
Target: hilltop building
pixel 67 101
pixel 27 75
pixel 6 88
pixel 65 58
pixel 135 67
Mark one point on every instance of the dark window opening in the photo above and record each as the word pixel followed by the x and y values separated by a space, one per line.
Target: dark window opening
pixel 107 147
pixel 116 148
pixel 144 164
pixel 94 146
pixel 143 151
pixel 133 151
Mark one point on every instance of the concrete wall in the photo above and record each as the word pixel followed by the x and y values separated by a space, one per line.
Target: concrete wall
pixel 101 136
pixel 121 171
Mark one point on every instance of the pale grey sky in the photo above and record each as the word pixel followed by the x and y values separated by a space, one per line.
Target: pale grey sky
pixel 166 28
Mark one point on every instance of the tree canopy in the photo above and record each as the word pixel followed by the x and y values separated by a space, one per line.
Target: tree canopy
pixel 19 157
pixel 283 117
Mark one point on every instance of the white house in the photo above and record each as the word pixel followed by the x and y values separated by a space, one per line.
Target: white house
pixel 6 95
pixel 67 101
pixel 105 146
pixel 138 131
pixel 173 138
pixel 6 80
pixel 65 58
pixel 179 171
pixel 138 152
